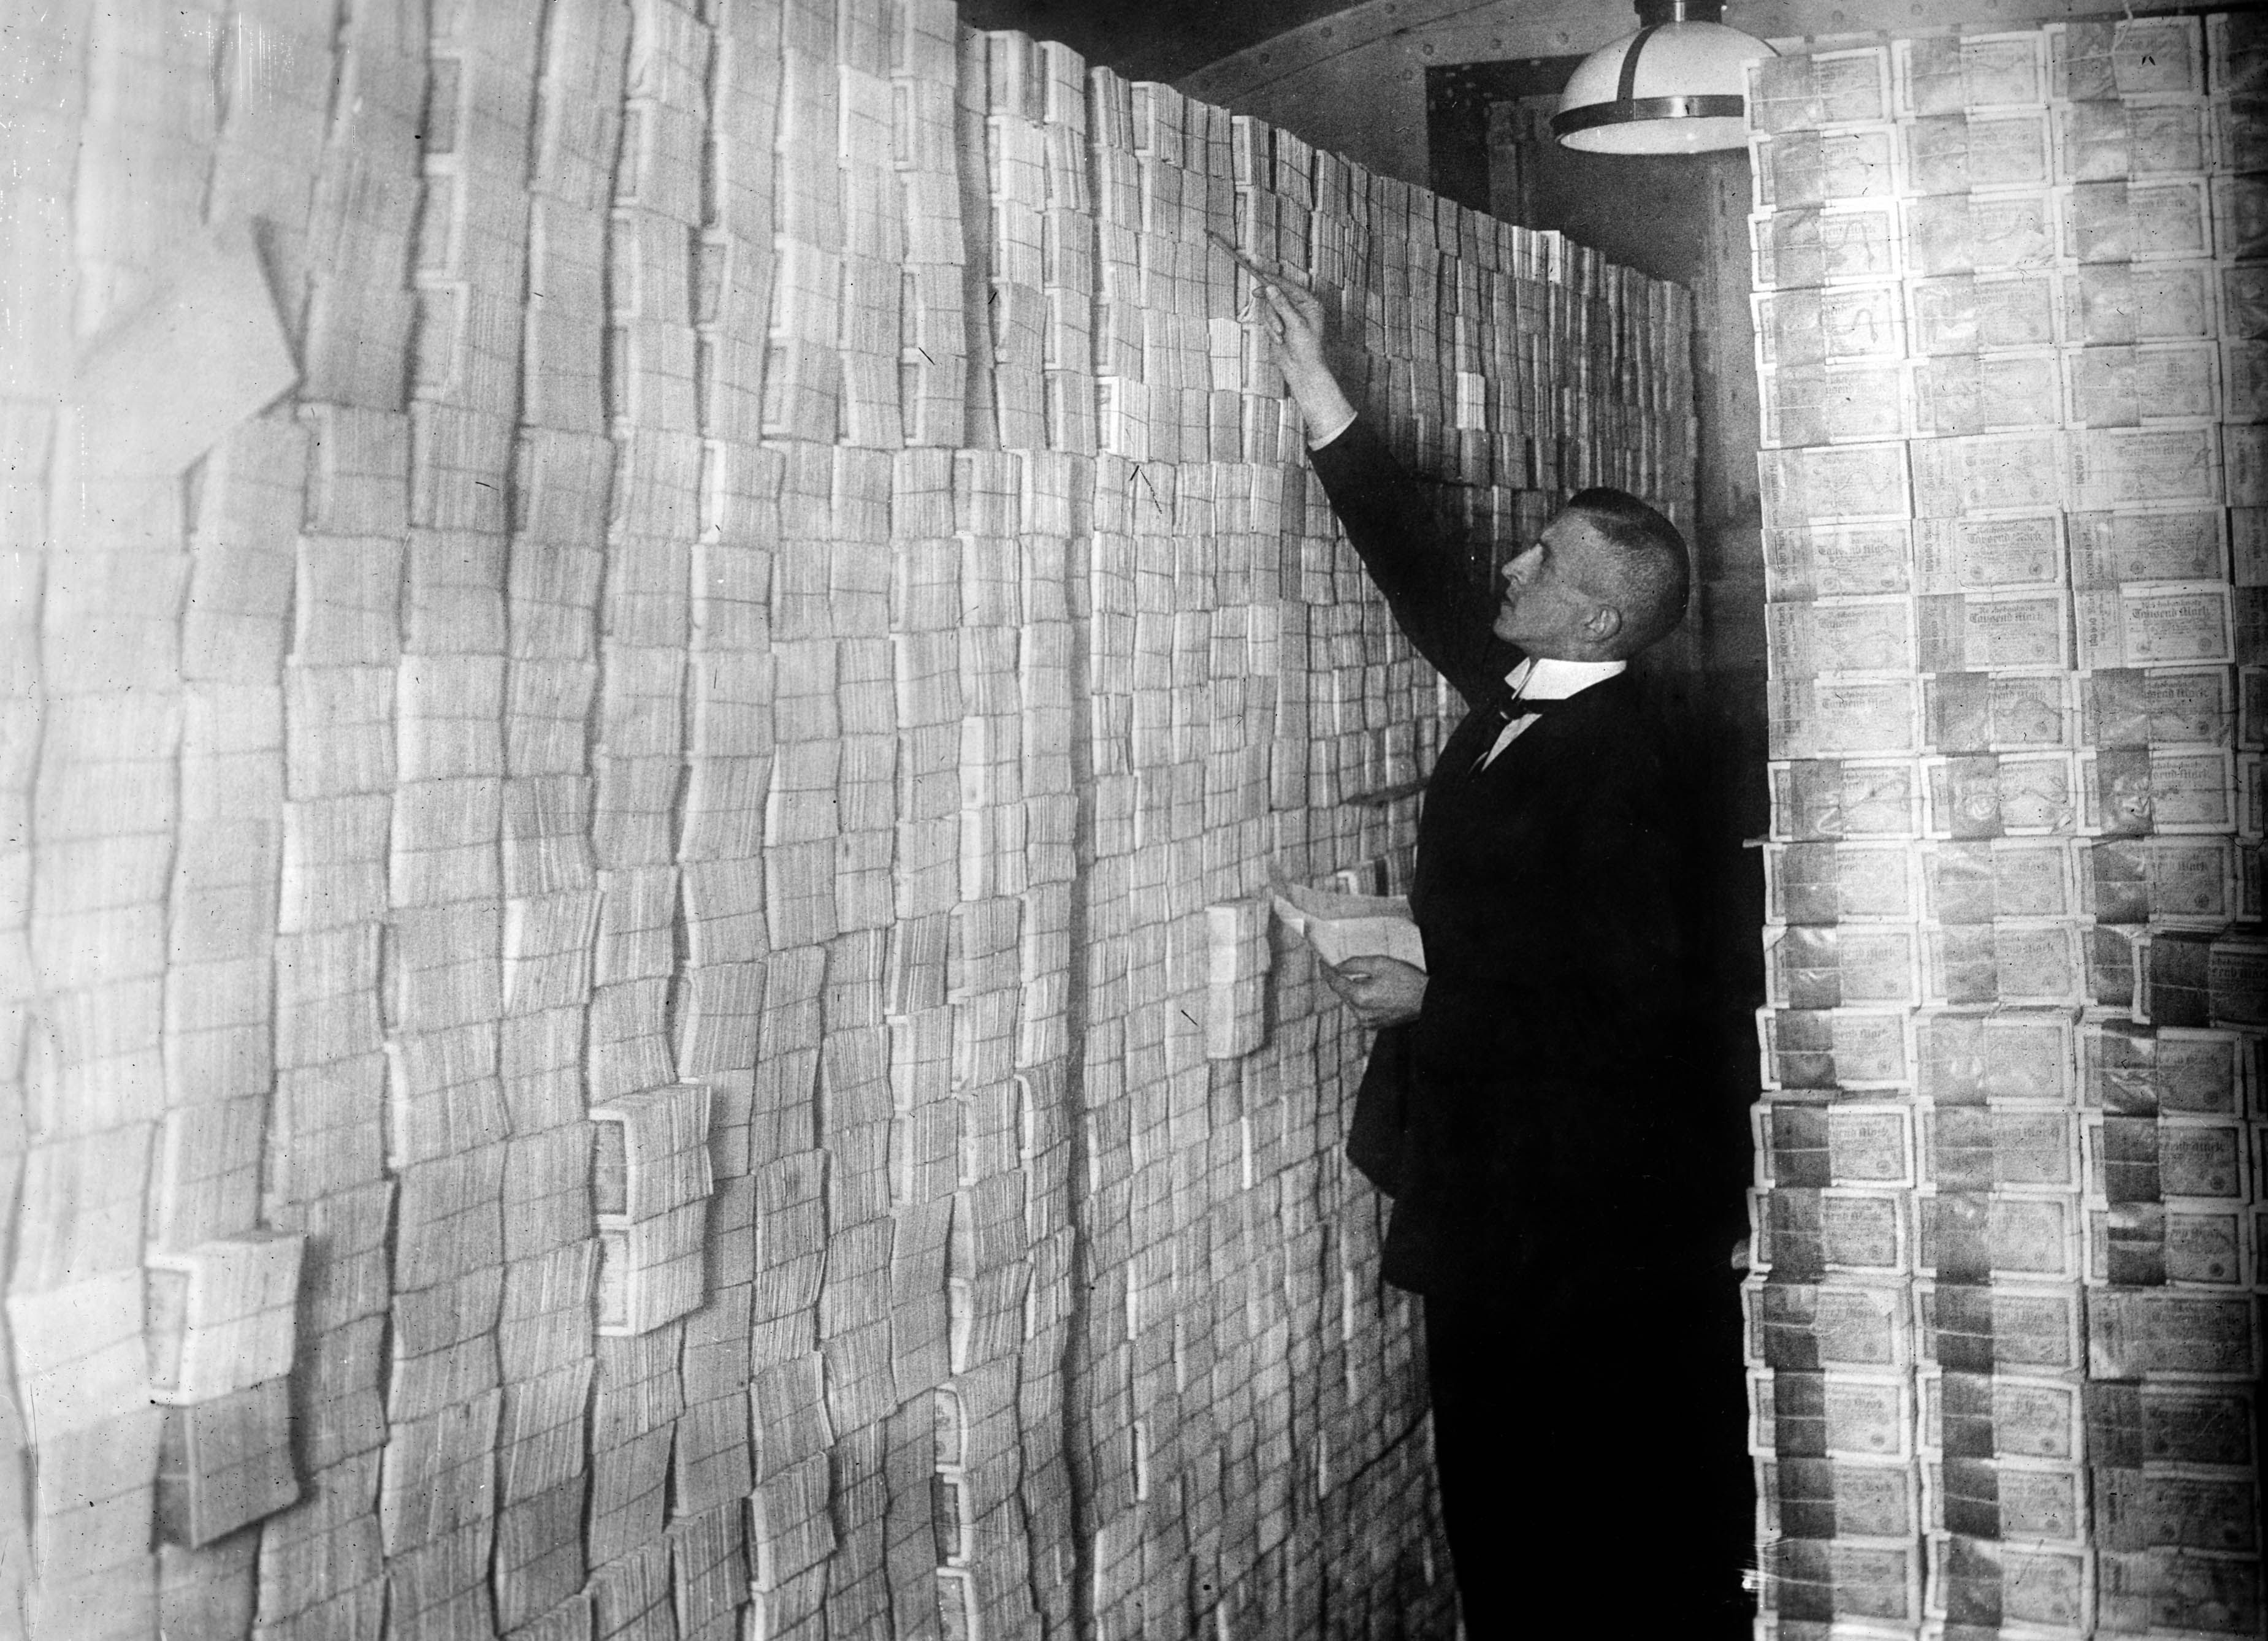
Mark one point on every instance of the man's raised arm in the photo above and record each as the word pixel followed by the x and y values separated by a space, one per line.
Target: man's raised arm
pixel 1389 516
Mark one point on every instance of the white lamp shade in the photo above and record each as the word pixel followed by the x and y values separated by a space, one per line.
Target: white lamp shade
pixel 1678 88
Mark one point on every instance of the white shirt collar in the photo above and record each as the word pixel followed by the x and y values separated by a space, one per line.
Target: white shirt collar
pixel 1547 678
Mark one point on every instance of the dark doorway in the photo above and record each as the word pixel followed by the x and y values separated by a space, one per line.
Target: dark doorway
pixel 1492 148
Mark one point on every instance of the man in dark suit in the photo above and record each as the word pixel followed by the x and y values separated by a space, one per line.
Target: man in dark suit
pixel 1524 1105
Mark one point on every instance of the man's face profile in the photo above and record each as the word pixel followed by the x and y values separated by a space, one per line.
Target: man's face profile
pixel 1548 609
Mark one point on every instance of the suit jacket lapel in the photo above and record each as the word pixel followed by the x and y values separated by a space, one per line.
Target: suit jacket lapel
pixel 1468 741
pixel 1553 733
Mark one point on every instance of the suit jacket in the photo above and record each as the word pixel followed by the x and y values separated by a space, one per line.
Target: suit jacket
pixel 1531 1124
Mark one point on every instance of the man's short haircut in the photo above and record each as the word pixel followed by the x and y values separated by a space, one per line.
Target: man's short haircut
pixel 1650 568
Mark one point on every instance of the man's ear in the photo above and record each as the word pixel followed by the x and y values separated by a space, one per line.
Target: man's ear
pixel 1602 623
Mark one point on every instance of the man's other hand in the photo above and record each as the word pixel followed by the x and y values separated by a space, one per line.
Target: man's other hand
pixel 1381 991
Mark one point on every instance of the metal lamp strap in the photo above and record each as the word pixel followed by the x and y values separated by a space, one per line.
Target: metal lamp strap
pixel 1627 108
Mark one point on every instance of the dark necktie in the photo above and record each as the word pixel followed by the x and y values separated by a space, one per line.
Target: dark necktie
pixel 1507 708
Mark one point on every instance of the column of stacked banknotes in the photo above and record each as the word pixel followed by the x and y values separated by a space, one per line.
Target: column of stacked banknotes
pixel 2004 1345
pixel 86 1133
pixel 637 996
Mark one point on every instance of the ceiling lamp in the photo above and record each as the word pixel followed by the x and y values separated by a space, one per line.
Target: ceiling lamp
pixel 1677 86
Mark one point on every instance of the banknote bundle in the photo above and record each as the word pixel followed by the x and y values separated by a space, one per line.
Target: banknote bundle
pixel 650 1182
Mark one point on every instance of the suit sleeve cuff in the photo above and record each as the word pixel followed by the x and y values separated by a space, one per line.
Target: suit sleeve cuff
pixel 1328 430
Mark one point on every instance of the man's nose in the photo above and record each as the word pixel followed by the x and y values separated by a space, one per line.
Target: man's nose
pixel 1516 568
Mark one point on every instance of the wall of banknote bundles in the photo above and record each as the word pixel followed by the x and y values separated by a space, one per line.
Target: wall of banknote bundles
pixel 2013 344
pixel 639 994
